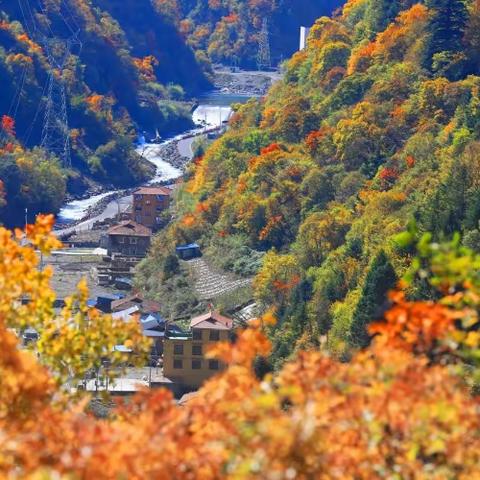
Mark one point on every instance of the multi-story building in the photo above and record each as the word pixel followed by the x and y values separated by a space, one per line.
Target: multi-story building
pixel 129 238
pixel 148 205
pixel 184 356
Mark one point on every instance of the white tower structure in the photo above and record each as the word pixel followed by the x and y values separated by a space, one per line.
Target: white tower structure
pixel 304 31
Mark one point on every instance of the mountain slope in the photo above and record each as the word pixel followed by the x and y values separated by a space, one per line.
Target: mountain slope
pixel 117 82
pixel 375 126
pixel 228 31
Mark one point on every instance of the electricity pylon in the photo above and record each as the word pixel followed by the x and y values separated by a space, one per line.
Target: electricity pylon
pixel 55 133
pixel 264 59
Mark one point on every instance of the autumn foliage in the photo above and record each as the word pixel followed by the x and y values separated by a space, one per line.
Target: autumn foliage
pixel 395 409
pixel 8 125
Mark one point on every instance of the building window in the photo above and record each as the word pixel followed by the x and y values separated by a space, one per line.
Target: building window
pixel 133 241
pixel 178 349
pixel 213 365
pixel 121 239
pixel 138 197
pixel 138 219
pixel 197 334
pixel 214 335
pixel 196 364
pixel 177 364
pixel 196 349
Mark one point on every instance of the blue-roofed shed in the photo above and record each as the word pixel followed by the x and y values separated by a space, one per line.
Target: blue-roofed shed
pixel 186 252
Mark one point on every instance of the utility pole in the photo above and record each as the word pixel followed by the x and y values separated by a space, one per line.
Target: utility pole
pixel 264 59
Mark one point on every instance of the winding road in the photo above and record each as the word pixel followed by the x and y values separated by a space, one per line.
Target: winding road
pixel 206 115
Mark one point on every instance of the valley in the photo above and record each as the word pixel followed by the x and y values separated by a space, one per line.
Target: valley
pixel 211 112
pixel 248 243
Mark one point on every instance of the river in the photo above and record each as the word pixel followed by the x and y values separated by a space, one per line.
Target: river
pixel 213 110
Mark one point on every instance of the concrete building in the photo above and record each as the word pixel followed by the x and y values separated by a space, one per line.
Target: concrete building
pixel 148 205
pixel 129 238
pixel 304 31
pixel 184 356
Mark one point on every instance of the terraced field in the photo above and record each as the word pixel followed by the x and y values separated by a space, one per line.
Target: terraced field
pixel 210 283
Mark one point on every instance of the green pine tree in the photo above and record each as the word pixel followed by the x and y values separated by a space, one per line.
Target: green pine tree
pixel 380 279
pixel 447 27
pixel 379 14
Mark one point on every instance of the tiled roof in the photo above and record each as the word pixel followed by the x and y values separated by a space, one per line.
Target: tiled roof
pixel 153 191
pixel 212 320
pixel 130 228
pixel 145 306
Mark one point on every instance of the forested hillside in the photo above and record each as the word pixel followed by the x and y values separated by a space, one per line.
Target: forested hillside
pixel 227 31
pixel 375 129
pixel 127 67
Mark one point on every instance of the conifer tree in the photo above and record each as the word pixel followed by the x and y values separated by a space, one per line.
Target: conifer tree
pixel 380 279
pixel 447 26
pixel 379 14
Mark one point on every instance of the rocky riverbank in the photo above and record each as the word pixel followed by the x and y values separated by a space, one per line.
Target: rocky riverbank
pixel 170 153
pixel 253 84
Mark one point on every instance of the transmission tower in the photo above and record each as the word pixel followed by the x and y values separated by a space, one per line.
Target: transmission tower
pixel 264 59
pixel 55 133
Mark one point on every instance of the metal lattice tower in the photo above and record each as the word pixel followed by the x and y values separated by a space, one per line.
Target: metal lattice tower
pixel 264 59
pixel 55 133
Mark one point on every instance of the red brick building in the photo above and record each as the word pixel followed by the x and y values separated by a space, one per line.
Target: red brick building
pixel 148 205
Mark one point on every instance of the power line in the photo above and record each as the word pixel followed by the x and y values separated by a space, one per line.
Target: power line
pixel 29 131
pixel 55 132
pixel 55 136
pixel 20 91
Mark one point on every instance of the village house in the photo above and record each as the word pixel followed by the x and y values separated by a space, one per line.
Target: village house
pixel 153 325
pixel 145 306
pixel 148 205
pixel 184 355
pixel 129 238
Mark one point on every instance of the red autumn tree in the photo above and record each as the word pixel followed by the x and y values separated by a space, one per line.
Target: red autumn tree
pixel 8 125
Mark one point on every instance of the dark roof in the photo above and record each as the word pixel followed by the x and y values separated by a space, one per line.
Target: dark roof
pixel 190 246
pixel 163 191
pixel 130 228
pixel 212 320
pixel 145 305
pixel 152 322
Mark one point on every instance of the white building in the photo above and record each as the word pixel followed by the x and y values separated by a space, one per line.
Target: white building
pixel 304 31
